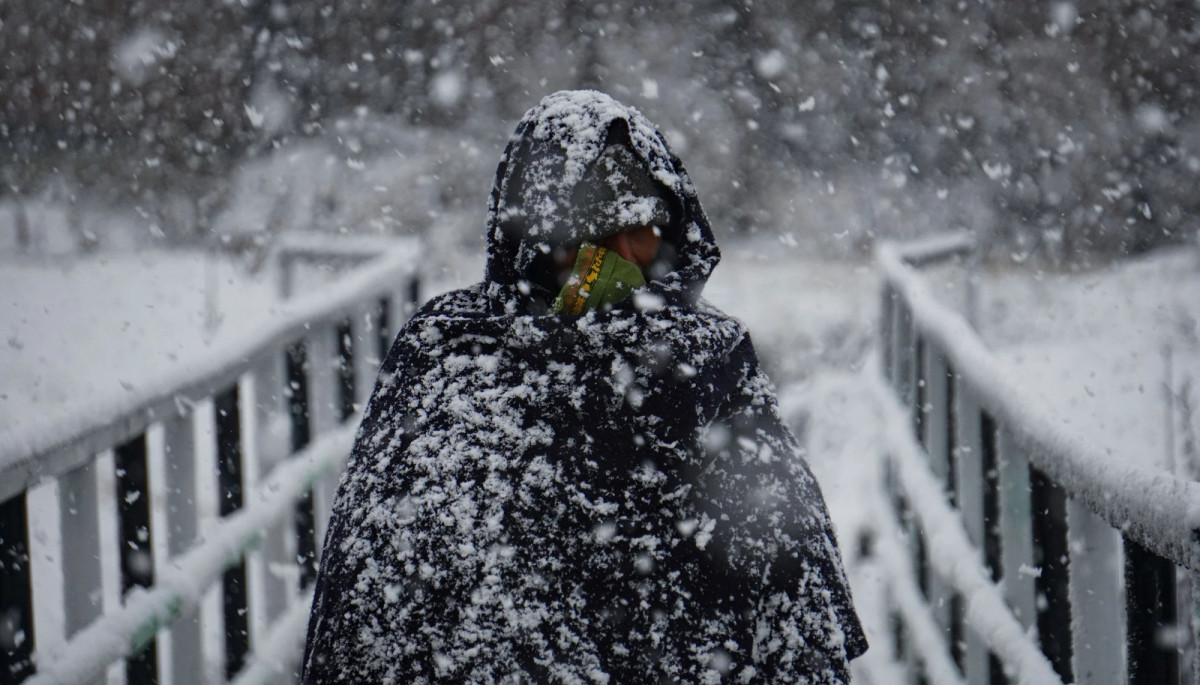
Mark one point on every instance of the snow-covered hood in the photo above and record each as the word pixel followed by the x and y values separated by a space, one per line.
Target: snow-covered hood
pixel 561 137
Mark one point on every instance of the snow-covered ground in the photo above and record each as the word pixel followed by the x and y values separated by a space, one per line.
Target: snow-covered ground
pixel 1102 349
pixel 1115 352
pixel 82 334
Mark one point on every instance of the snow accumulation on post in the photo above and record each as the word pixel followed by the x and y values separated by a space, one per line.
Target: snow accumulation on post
pixel 1158 510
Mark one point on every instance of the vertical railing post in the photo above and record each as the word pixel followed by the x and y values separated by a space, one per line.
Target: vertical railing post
pixel 399 310
pixel 1051 557
pixel 1193 614
pixel 1015 526
pixel 272 445
pixel 383 328
pixel 917 412
pixel 906 346
pixel 325 407
pixel 953 434
pixel 1098 627
pixel 958 645
pixel 46 580
pixel 1149 615
pixel 16 594
pixel 80 530
pixel 903 514
pixel 251 443
pixel 412 298
pixel 180 455
pixel 887 331
pixel 230 486
pixel 156 482
pixel 936 414
pixel 993 543
pixel 111 557
pixel 137 561
pixel 967 456
pixel 993 519
pixel 364 327
pixel 904 357
pixel 934 411
pixel 347 380
pixel 920 396
pixel 901 330
pixel 298 408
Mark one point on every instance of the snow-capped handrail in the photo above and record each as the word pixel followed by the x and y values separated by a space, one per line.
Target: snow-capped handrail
pixel 181 586
pixel 1155 508
pixel 918 253
pixel 54 445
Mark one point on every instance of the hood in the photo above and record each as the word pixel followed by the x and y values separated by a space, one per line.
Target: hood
pixel 551 152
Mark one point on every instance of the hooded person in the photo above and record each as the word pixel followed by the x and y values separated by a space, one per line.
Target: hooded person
pixel 601 494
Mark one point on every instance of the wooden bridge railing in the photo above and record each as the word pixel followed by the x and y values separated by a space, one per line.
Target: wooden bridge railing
pixel 1037 556
pixel 173 537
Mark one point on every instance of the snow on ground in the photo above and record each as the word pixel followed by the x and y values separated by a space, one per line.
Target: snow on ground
pixel 803 313
pixel 76 334
pixel 1109 350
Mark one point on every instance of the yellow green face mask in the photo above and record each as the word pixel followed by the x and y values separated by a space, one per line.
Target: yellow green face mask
pixel 600 277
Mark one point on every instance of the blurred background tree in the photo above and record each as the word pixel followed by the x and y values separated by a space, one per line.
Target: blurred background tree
pixel 1066 131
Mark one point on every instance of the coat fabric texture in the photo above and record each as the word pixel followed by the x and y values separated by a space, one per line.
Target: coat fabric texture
pixel 603 498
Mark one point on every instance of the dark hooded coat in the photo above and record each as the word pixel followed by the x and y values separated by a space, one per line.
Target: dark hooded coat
pixel 603 498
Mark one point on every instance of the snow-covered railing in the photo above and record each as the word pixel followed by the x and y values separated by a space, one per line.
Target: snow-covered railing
pixel 1095 559
pixel 172 538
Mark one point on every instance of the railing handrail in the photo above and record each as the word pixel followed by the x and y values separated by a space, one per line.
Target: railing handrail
pixel 1155 508
pixel 53 445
